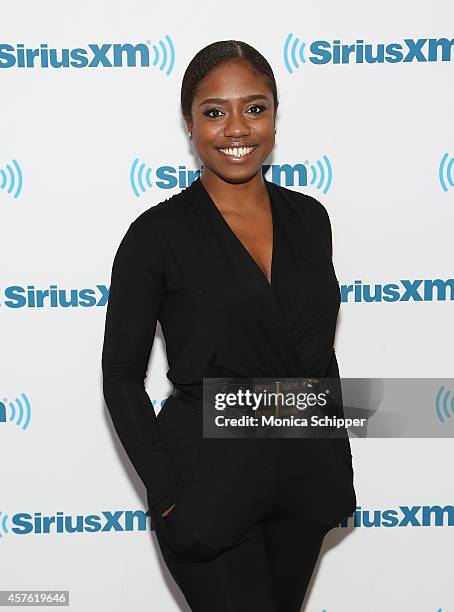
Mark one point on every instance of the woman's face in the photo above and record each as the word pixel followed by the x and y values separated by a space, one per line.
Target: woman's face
pixel 233 109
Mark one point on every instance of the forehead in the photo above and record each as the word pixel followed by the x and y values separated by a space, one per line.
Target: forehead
pixel 232 80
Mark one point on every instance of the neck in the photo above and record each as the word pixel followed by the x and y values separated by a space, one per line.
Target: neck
pixel 248 197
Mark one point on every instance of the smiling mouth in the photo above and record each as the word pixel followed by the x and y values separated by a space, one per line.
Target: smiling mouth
pixel 236 152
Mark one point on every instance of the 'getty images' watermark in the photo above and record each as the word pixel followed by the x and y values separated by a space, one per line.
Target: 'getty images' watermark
pixel 328 407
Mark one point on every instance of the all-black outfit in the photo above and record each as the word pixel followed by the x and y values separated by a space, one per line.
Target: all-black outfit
pixel 250 514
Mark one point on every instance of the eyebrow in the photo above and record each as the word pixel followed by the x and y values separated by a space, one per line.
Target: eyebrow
pixel 243 99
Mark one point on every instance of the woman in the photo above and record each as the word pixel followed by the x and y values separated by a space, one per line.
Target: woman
pixel 238 271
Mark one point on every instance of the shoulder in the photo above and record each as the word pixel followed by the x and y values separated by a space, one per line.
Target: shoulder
pixel 303 202
pixel 159 218
pixel 145 242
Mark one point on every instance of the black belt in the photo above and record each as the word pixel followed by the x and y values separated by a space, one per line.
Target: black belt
pixel 188 398
pixel 195 399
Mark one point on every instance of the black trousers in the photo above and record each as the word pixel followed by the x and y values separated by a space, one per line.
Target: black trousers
pixel 251 515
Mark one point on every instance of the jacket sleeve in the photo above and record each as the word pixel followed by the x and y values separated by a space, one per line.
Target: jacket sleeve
pixel 135 295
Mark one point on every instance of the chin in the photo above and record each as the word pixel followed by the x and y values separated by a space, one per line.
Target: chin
pixel 233 174
pixel 238 177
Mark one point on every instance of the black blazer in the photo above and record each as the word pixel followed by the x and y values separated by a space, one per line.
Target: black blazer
pixel 180 263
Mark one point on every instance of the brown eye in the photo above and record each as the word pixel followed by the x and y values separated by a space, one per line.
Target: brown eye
pixel 207 113
pixel 259 106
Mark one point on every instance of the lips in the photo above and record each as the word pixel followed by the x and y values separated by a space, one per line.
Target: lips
pixel 237 146
pixel 237 153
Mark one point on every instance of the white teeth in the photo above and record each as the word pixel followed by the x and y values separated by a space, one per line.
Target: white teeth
pixel 237 152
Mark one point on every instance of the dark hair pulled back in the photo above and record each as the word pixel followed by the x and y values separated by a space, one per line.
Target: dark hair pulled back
pixel 214 55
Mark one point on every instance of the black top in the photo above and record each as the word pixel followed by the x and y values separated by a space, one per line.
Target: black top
pixel 181 264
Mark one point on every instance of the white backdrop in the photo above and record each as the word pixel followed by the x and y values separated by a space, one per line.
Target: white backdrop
pixel 68 140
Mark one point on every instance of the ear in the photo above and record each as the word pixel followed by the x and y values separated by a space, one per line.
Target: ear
pixel 188 122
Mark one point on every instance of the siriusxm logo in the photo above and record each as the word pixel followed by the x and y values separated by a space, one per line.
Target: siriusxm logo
pixel 444 404
pixel 19 411
pixel 318 174
pixel 405 290
pixel 403 516
pixel 108 55
pixel 30 297
pixel 11 178
pixel 24 523
pixel 298 52
pixel 446 172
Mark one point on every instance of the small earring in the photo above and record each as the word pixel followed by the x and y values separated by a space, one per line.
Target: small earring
pixel 190 134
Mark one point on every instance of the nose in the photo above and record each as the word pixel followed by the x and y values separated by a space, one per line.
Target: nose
pixel 236 124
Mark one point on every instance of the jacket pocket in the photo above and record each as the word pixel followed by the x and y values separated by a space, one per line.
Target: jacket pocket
pixel 184 484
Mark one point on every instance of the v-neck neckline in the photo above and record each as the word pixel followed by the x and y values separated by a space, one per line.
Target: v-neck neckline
pixel 270 283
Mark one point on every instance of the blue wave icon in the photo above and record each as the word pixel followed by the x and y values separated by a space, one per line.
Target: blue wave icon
pixel 11 178
pixel 441 404
pixel 161 402
pixel 446 172
pixel 165 53
pixel 138 175
pixel 293 51
pixel 20 411
pixel 3 521
pixel 321 174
